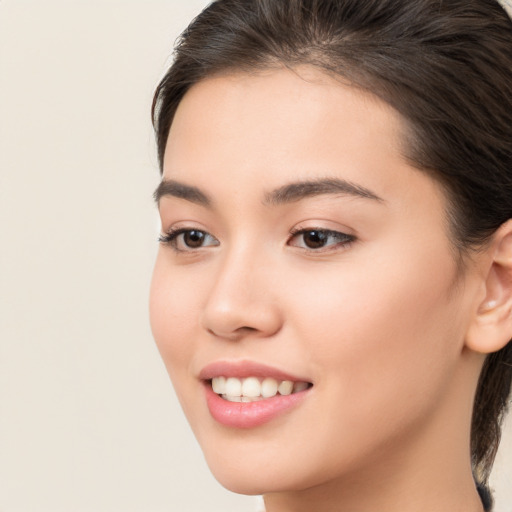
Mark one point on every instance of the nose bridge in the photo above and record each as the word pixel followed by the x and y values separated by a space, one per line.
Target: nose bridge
pixel 240 299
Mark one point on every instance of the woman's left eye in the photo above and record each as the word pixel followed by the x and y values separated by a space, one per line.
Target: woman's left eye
pixel 316 239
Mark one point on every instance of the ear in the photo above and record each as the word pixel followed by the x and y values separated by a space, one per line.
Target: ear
pixel 491 327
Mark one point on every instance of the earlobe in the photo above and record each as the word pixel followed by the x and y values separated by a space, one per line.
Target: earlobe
pixel 491 327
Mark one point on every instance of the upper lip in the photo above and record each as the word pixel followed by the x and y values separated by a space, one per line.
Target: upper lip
pixel 245 368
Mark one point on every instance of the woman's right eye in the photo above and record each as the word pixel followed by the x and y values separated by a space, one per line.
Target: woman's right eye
pixel 183 239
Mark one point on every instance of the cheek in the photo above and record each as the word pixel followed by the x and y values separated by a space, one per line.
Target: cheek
pixel 390 333
pixel 174 311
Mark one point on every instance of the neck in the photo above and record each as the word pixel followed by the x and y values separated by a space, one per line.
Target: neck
pixel 384 493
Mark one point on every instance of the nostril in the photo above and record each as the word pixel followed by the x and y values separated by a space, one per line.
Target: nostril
pixel 233 335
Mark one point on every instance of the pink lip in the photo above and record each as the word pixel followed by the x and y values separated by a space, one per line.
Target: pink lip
pixel 250 414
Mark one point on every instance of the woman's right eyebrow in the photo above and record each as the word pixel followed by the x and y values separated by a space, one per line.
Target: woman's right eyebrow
pixel 182 191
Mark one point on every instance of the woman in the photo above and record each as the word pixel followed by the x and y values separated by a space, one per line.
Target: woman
pixel 333 291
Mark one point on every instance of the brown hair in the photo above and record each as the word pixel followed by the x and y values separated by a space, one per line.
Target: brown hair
pixel 445 65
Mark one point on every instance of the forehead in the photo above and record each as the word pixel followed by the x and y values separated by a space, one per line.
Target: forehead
pixel 302 95
pixel 294 121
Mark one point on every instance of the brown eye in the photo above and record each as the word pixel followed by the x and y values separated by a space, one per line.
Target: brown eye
pixel 193 238
pixel 315 239
pixel 183 240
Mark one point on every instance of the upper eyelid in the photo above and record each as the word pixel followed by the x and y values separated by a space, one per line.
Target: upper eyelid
pixel 182 225
pixel 341 238
pixel 316 228
pixel 341 230
pixel 181 230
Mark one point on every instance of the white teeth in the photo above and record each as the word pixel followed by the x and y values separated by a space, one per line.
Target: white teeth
pixel 269 388
pixel 232 398
pixel 233 387
pixel 219 385
pixel 240 398
pixel 286 387
pixel 252 389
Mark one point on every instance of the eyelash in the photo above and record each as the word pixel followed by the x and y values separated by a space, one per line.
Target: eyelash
pixel 343 239
pixel 171 238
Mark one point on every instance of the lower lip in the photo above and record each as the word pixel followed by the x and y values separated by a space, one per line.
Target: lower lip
pixel 250 414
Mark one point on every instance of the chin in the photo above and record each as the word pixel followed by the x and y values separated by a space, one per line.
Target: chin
pixel 251 482
pixel 248 485
pixel 246 468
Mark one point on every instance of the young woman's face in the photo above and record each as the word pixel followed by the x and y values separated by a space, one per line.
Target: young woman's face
pixel 299 245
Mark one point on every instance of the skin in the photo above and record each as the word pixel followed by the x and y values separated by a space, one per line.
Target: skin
pixel 379 324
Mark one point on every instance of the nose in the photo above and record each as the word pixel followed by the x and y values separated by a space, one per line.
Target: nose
pixel 242 300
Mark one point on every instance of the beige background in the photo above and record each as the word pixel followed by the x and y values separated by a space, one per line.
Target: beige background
pixel 88 420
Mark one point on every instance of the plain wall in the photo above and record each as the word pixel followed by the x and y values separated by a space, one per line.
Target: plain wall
pixel 88 418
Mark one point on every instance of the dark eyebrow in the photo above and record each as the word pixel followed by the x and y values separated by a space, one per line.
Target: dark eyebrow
pixel 182 191
pixel 302 189
pixel 286 194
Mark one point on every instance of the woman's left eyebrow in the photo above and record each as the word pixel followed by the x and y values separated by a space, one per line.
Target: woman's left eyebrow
pixel 296 191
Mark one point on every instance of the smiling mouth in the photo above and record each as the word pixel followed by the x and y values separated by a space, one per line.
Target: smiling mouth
pixel 254 389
